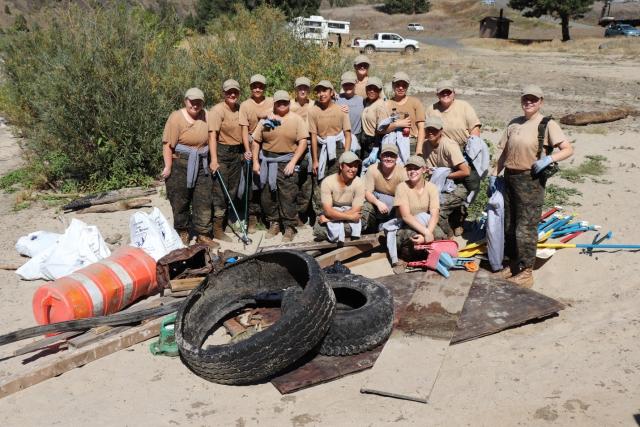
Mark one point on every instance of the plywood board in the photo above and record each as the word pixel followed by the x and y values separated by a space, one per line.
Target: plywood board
pixel 321 369
pixel 411 359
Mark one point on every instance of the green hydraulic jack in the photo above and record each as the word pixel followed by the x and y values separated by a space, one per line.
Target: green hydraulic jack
pixel 166 345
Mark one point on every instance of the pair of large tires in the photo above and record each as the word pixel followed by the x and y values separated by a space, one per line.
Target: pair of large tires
pixel 308 314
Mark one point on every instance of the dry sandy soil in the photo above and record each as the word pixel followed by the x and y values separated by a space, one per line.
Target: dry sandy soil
pixel 579 368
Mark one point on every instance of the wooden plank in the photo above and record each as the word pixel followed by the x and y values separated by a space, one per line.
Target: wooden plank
pixel 344 253
pixel 95 335
pixel 45 342
pixel 187 284
pixel 53 366
pixel 312 246
pixel 411 359
pixel 321 369
pixel 375 256
pixel 495 304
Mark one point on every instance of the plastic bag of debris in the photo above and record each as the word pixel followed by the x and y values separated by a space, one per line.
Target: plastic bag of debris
pixel 153 234
pixel 79 246
pixel 34 243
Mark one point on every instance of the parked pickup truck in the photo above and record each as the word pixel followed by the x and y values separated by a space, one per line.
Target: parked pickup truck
pixel 386 42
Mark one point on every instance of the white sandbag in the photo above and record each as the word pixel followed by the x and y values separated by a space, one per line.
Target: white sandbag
pixel 170 236
pixel 146 235
pixel 34 243
pixel 79 246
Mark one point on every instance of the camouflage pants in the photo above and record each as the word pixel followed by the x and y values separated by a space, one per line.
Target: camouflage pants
pixel 405 244
pixel 449 202
pixel 320 231
pixel 280 205
pixel 305 186
pixel 331 168
pixel 189 204
pixel 230 164
pixel 523 199
pixel 372 218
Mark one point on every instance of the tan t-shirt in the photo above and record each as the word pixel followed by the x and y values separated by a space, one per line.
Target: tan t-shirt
pixel 224 122
pixel 520 141
pixel 250 110
pixel 333 192
pixel 375 181
pixel 414 108
pixel 301 110
pixel 372 115
pixel 446 154
pixel 329 121
pixel 426 201
pixel 458 120
pixel 178 130
pixel 361 88
pixel 284 138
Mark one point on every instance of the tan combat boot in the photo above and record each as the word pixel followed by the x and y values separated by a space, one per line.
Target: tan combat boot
pixel 505 273
pixel 289 233
pixel 218 231
pixel 206 240
pixel 184 236
pixel 523 279
pixel 274 230
pixel 253 221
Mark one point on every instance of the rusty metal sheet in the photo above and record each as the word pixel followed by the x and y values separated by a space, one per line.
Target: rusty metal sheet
pixel 321 369
pixel 495 304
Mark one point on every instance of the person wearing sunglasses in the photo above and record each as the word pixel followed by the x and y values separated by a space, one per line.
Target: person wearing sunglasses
pixel 524 162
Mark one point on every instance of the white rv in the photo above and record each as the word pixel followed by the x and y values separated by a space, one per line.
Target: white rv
pixel 318 29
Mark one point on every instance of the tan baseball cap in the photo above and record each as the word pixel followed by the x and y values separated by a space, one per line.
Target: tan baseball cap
pixel 361 59
pixel 348 77
pixel 389 148
pixel 281 95
pixel 433 122
pixel 194 93
pixel 401 76
pixel 444 85
pixel 348 157
pixel 324 83
pixel 416 161
pixel 258 78
pixel 302 81
pixel 374 81
pixel 532 90
pixel 230 84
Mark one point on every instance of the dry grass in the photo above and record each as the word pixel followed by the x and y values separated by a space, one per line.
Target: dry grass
pixel 591 46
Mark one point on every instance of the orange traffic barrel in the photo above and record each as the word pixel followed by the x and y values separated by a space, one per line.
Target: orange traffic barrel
pixel 102 288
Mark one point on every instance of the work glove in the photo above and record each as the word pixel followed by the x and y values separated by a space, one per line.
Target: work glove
pixel 373 157
pixel 541 164
pixel 271 124
pixel 492 185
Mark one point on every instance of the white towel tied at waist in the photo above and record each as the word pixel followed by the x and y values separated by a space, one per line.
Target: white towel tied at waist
pixel 391 228
pixel 335 229
pixel 269 169
pixel 355 145
pixel 387 199
pixel 327 151
pixel 396 138
pixel 195 154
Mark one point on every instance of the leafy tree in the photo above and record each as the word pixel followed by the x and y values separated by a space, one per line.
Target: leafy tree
pixel 563 9
pixel 407 6
pixel 207 10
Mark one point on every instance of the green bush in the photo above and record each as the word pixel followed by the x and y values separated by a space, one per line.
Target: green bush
pixel 93 89
pixel 406 6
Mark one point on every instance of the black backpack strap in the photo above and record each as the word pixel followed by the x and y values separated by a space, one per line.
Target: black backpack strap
pixel 542 129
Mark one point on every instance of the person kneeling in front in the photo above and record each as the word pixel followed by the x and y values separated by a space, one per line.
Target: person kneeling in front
pixel 342 197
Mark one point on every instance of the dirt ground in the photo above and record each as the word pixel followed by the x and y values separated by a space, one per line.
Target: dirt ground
pixel 581 367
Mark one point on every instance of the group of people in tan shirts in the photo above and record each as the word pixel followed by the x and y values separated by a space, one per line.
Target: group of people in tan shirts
pixel 351 159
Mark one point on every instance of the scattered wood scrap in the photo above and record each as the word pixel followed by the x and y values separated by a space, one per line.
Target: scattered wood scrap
pixel 591 117
pixel 122 205
pixel 313 246
pixel 108 197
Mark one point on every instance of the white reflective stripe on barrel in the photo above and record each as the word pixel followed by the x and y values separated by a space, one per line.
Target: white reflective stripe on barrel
pixel 125 278
pixel 94 292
